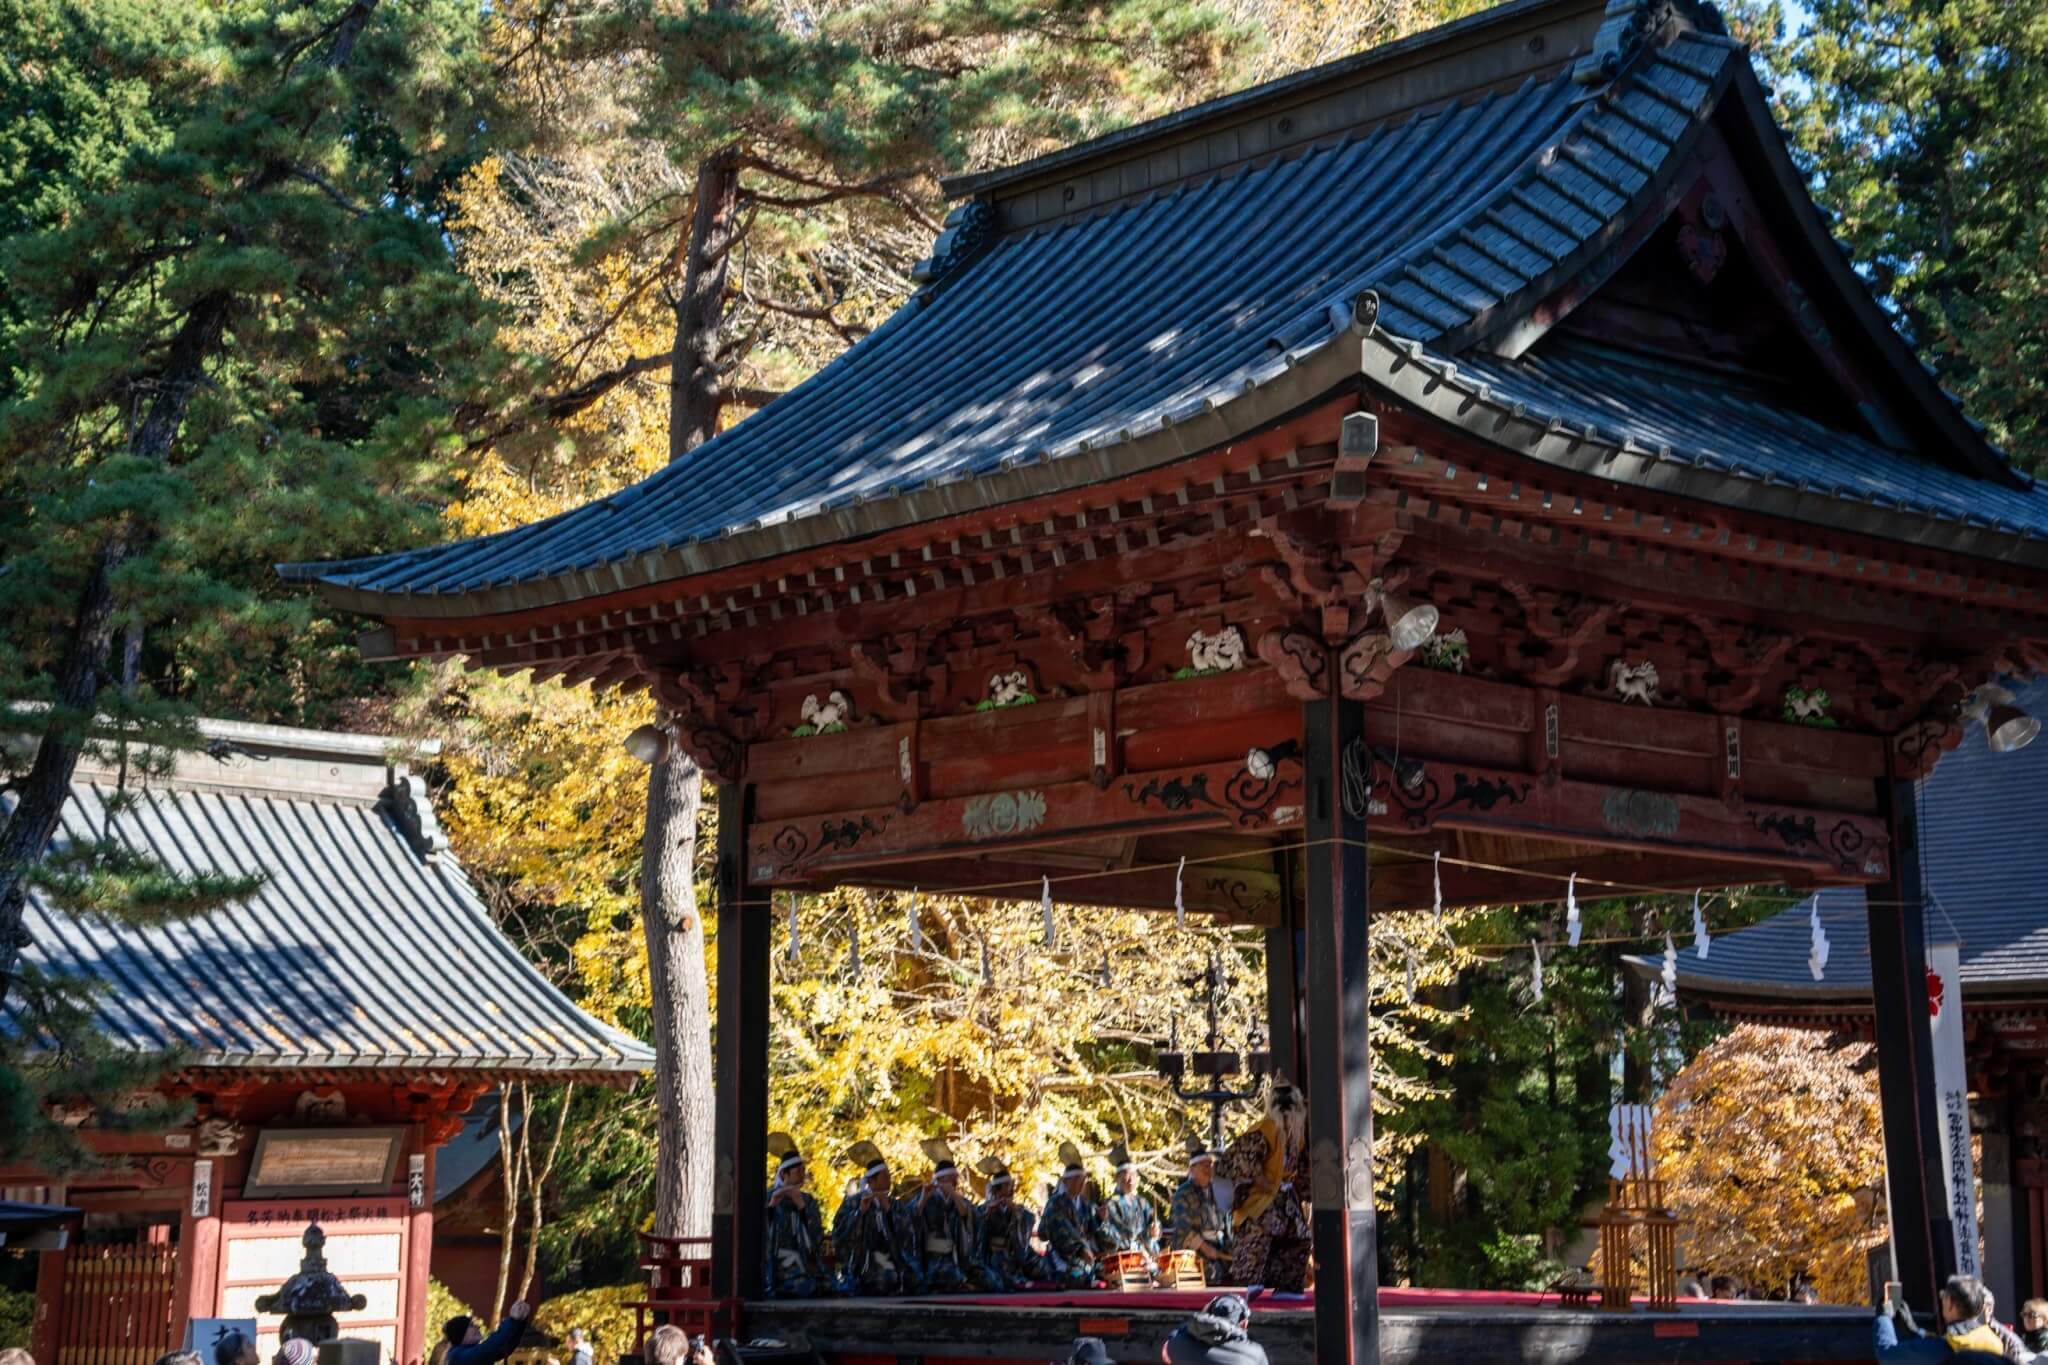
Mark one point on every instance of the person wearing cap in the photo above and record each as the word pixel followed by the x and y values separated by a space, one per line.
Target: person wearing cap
pixel 1089 1351
pixel 872 1232
pixel 467 1345
pixel 1005 1260
pixel 1267 1166
pixel 1128 1218
pixel 1218 1335
pixel 793 1242
pixel 942 1226
pixel 1070 1224
pixel 1196 1222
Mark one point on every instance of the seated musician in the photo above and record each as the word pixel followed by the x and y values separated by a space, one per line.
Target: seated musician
pixel 793 1243
pixel 942 1225
pixel 872 1232
pixel 1197 1223
pixel 1128 1218
pixel 1005 1259
pixel 1070 1225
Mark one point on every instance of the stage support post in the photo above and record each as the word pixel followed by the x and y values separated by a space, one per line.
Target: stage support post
pixel 1339 770
pixel 1283 976
pixel 745 916
pixel 1923 1243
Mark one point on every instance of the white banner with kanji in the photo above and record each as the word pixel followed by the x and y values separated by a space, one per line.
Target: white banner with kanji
pixel 1952 1098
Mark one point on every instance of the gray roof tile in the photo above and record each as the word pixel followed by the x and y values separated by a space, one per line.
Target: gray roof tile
pixel 356 952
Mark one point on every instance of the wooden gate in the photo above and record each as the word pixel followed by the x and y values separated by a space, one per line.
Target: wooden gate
pixel 118 1304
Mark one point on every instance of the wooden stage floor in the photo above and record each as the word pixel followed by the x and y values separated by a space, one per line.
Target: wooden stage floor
pixel 1416 1326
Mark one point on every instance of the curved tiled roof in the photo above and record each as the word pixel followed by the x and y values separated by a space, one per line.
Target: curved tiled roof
pixel 1982 825
pixel 357 952
pixel 1083 332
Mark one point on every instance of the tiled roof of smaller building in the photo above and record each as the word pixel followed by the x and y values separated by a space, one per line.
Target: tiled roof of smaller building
pixel 1984 823
pixel 365 949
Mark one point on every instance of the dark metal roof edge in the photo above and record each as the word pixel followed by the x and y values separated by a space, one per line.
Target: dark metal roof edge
pixel 1431 385
pixel 1753 105
pixel 1306 375
pixel 1123 141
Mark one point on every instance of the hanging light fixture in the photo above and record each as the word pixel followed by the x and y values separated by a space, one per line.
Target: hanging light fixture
pixel 2006 727
pixel 648 743
pixel 1410 624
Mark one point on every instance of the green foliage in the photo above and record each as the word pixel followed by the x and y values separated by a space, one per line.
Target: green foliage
pixel 1924 124
pixel 107 877
pixel 17 1318
pixel 443 1305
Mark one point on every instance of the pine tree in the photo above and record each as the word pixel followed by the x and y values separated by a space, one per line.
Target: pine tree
pixel 247 346
pixel 761 122
pixel 1925 126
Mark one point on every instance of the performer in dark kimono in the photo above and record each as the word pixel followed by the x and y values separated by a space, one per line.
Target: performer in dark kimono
pixel 942 1225
pixel 1128 1218
pixel 1268 1168
pixel 872 1232
pixel 1004 1255
pixel 1071 1225
pixel 793 1244
pixel 1196 1222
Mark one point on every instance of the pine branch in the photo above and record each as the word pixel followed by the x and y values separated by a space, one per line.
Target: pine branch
pixel 326 187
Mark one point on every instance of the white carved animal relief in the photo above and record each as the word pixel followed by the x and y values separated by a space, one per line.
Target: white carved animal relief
pixel 829 714
pixel 1222 651
pixel 1633 682
pixel 1007 689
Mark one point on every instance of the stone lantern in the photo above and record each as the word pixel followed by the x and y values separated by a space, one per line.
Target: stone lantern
pixel 310 1299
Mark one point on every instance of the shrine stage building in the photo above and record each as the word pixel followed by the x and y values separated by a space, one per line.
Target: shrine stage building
pixel 331 1030
pixel 1476 446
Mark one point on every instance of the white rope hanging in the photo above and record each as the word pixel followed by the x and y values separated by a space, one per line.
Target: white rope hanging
pixel 1817 953
pixel 1536 970
pixel 1436 877
pixel 916 930
pixel 1180 904
pixel 794 950
pixel 1701 940
pixel 1045 909
pixel 1572 927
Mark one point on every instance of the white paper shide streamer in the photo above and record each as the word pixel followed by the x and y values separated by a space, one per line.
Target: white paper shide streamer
pixel 1701 941
pixel 1436 877
pixel 1536 970
pixel 1817 953
pixel 1045 909
pixel 1180 905
pixel 1670 970
pixel 1572 927
pixel 794 950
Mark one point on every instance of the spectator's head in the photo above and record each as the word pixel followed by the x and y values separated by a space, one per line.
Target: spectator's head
pixel 296 1351
pixel 167 1358
pixel 1222 1319
pixel 234 1348
pixel 1963 1299
pixel 700 1353
pixel 2034 1315
pixel 14 1355
pixel 575 1337
pixel 461 1331
pixel 667 1346
pixel 1089 1351
pixel 1202 1169
pixel 1723 1287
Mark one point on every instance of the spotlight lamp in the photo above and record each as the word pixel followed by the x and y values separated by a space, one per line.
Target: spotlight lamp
pixel 648 743
pixel 2006 727
pixel 1410 624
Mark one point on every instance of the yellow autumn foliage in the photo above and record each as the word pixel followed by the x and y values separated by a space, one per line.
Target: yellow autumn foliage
pixel 1771 1143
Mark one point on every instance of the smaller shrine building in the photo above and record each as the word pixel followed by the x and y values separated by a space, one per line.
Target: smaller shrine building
pixel 330 1031
pixel 1983 825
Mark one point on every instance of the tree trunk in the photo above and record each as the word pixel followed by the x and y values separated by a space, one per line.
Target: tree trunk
pixel 511 1178
pixel 681 1008
pixel 39 801
pixel 696 391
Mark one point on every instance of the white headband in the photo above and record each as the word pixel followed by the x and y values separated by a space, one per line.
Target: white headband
pixel 793 1159
pixel 874 1169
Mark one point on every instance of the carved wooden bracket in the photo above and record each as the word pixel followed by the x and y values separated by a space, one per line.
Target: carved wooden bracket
pixel 1366 663
pixel 1746 655
pixel 894 668
pixel 1301 660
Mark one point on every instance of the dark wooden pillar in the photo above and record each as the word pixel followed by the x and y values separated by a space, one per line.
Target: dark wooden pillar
pixel 1283 977
pixel 745 919
pixel 1339 770
pixel 1923 1244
